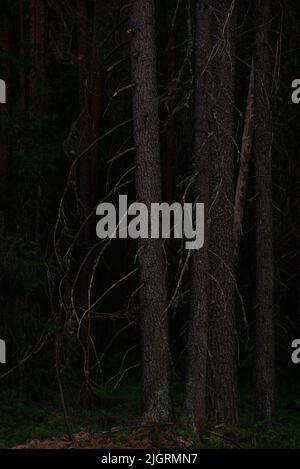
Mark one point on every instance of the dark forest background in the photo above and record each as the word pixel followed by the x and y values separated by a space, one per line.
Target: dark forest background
pixel 182 100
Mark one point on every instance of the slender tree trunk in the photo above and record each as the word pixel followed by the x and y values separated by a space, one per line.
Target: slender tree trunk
pixel 22 55
pixel 95 99
pixel 153 297
pixel 264 325
pixel 85 195
pixel 37 12
pixel 84 170
pixel 37 35
pixel 194 407
pixel 222 373
pixel 123 31
pixel 90 97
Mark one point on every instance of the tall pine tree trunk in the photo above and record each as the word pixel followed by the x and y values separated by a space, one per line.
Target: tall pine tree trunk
pixel 264 325
pixel 153 297
pixel 194 407
pixel 222 373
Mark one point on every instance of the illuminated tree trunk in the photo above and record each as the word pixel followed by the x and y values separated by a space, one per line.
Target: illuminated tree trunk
pixel 222 373
pixel 153 296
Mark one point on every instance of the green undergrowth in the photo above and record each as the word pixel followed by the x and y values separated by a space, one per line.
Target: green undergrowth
pixel 120 408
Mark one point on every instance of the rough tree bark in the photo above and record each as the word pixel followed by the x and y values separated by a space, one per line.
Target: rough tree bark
pixel 264 324
pixel 222 373
pixel 153 297
pixel 194 406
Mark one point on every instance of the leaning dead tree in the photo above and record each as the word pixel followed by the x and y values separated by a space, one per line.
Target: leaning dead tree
pixel 242 182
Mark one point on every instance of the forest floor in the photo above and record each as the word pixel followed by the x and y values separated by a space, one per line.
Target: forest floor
pixel 142 438
pixel 112 422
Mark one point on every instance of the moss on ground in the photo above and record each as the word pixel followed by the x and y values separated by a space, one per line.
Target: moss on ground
pixel 118 409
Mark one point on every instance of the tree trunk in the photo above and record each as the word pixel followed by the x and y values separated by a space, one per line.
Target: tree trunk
pixel 22 40
pixel 37 35
pixel 264 326
pixel 222 373
pixel 37 11
pixel 95 100
pixel 90 109
pixel 5 48
pixel 153 297
pixel 171 144
pixel 194 407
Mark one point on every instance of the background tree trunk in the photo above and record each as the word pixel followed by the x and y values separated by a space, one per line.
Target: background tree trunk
pixel 153 297
pixel 37 36
pixel 264 324
pixel 90 93
pixel 194 407
pixel 95 99
pixel 37 11
pixel 5 50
